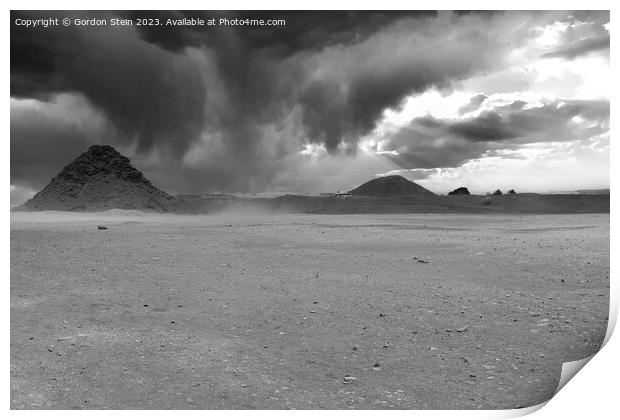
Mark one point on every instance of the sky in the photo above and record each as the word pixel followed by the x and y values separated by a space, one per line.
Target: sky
pixel 485 100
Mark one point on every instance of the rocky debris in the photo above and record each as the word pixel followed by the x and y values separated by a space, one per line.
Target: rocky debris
pixel 348 379
pixel 459 191
pixel 392 185
pixel 99 179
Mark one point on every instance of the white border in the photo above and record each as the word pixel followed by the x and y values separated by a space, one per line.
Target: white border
pixel 592 394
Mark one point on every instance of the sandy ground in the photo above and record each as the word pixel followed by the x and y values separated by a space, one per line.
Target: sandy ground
pixel 272 311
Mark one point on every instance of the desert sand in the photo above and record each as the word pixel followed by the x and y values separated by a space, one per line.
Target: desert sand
pixel 302 311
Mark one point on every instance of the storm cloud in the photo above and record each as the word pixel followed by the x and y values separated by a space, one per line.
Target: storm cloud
pixel 429 142
pixel 582 37
pixel 151 95
pixel 231 108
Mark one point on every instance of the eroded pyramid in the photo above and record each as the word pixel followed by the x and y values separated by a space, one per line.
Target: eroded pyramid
pixel 392 185
pixel 100 179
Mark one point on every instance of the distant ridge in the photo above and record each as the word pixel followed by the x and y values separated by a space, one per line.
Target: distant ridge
pixel 100 179
pixel 393 185
pixel 593 192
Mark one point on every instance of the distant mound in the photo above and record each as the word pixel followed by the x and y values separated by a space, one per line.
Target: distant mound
pixel 459 191
pixel 99 179
pixel 392 185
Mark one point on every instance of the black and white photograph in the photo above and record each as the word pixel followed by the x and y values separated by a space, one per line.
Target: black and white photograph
pixel 306 209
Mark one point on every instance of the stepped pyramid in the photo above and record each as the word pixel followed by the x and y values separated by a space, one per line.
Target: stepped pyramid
pixel 99 179
pixel 392 185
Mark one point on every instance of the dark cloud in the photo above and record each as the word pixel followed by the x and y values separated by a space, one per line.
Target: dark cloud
pixel 304 30
pixel 153 96
pixel 163 87
pixel 473 105
pixel 597 16
pixel 429 142
pixel 220 108
pixel 324 113
pixel 421 152
pixel 44 139
pixel 363 81
pixel 550 122
pixel 489 126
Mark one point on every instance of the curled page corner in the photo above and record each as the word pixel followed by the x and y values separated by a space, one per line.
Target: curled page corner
pixel 570 369
pixel 521 412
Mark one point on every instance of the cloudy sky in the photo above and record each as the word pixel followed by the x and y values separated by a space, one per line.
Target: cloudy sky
pixel 484 100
